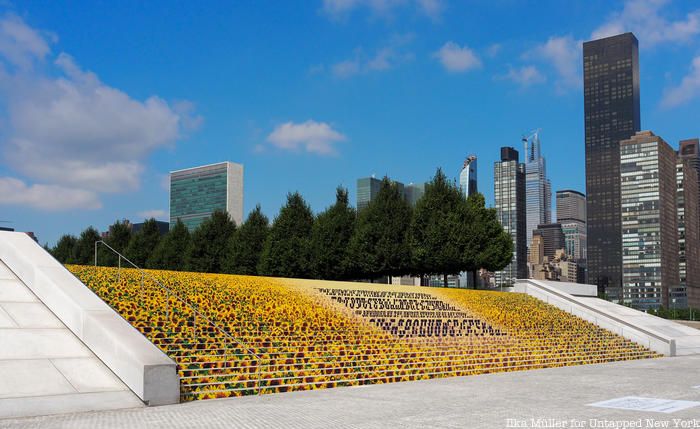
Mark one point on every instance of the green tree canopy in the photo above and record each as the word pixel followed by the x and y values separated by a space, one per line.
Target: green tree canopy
pixel 330 237
pixel 209 243
pixel 118 238
pixel 380 246
pixel 487 245
pixel 287 250
pixel 142 243
pixel 436 220
pixel 246 245
pixel 172 250
pixel 84 251
pixel 64 248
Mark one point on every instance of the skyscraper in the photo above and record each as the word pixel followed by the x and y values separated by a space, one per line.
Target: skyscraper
pixel 195 193
pixel 467 177
pixel 688 206
pixel 509 195
pixel 689 151
pixel 611 113
pixel 552 238
pixel 537 188
pixel 571 214
pixel 413 192
pixel 571 205
pixel 649 220
pixel 367 190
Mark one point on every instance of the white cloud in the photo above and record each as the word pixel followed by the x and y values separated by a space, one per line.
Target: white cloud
pixel 431 8
pixel 339 9
pixel 310 136
pixel 346 69
pixel 391 55
pixel 563 53
pixel 524 76
pixel 688 89
pixel 493 50
pixel 68 129
pixel 155 213
pixel 644 18
pixel 21 44
pixel 457 59
pixel 46 197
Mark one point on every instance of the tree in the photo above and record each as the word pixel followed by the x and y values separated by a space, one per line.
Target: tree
pixel 330 237
pixel 209 243
pixel 84 250
pixel 287 251
pixel 63 250
pixel 487 245
pixel 435 247
pixel 246 245
pixel 142 243
pixel 172 250
pixel 118 238
pixel 379 245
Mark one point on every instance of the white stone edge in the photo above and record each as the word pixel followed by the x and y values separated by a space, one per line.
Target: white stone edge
pixel 649 338
pixel 144 368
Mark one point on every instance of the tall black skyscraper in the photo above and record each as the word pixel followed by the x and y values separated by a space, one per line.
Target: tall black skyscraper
pixel 611 109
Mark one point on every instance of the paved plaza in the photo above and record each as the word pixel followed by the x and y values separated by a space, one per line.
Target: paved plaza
pixel 558 395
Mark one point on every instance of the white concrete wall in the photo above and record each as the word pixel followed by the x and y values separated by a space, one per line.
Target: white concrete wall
pixel 660 335
pixel 146 370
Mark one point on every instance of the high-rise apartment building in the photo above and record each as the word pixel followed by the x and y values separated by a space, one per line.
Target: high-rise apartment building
pixel 467 177
pixel 196 193
pixel 649 220
pixel 538 189
pixel 687 204
pixel 611 114
pixel 509 195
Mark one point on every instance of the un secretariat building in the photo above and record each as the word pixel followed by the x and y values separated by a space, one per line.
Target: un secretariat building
pixel 196 193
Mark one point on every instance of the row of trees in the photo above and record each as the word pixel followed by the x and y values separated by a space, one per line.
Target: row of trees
pixel 444 234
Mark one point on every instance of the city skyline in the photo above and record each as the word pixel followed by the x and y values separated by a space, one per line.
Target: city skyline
pixel 309 112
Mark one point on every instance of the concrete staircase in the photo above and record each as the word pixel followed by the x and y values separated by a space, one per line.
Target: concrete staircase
pixel 44 367
pixel 661 335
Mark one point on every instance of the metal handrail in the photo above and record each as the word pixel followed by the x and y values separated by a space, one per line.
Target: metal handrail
pixel 184 301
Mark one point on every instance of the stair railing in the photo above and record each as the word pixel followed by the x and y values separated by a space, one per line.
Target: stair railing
pixel 196 314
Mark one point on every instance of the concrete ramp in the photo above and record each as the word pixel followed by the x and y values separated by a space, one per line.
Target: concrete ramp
pixel 63 349
pixel 44 367
pixel 661 335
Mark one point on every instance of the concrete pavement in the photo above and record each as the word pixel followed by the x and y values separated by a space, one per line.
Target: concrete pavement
pixel 557 395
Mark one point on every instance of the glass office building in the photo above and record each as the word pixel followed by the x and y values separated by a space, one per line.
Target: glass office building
pixel 538 193
pixel 195 193
pixel 648 219
pixel 467 177
pixel 367 190
pixel 509 195
pixel 611 114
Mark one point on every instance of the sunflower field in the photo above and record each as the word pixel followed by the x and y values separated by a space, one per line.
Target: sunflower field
pixel 239 335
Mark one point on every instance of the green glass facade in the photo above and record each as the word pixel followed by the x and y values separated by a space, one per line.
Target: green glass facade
pixel 196 193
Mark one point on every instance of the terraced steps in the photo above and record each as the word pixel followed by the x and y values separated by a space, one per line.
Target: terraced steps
pixel 268 335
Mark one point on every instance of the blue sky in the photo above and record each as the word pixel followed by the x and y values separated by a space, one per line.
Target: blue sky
pixel 101 99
